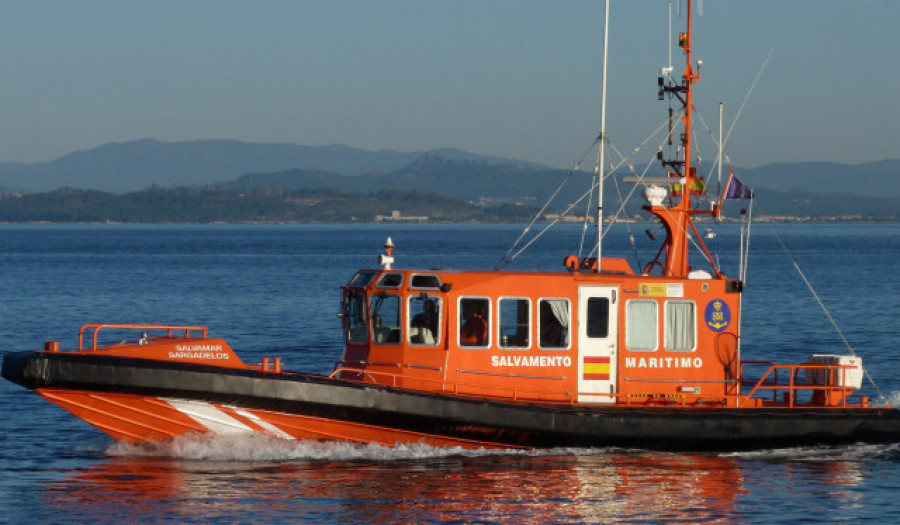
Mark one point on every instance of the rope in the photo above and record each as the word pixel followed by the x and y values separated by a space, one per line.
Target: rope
pixel 506 257
pixel 550 225
pixel 737 116
pixel 747 96
pixel 634 187
pixel 824 309
pixel 622 202
pixel 587 210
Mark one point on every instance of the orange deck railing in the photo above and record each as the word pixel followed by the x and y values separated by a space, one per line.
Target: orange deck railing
pixel 789 383
pixel 170 330
pixel 782 382
pixel 455 387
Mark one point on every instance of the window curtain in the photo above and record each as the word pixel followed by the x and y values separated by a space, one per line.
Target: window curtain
pixel 641 326
pixel 560 308
pixel 679 326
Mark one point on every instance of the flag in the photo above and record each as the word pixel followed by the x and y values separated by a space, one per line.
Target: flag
pixel 596 368
pixel 697 186
pixel 736 190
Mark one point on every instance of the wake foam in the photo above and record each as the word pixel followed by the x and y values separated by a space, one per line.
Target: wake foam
pixel 857 452
pixel 893 398
pixel 256 447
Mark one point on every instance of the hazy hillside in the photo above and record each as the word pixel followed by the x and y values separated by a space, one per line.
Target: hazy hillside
pixel 215 204
pixel 870 189
pixel 481 182
pixel 873 179
pixel 464 179
pixel 135 165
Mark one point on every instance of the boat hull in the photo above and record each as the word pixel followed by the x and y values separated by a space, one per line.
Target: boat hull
pixel 150 400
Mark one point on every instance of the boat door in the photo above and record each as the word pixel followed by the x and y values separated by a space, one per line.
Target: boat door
pixel 597 339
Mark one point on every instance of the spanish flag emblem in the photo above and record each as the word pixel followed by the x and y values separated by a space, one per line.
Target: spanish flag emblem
pixel 596 368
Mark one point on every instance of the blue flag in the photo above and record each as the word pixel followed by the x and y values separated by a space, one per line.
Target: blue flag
pixel 736 190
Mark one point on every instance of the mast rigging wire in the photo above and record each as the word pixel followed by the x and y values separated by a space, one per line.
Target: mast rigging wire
pixel 510 256
pixel 506 257
pixel 818 299
pixel 747 96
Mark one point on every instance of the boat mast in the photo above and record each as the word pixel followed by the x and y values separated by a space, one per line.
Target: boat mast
pixel 677 217
pixel 601 152
pixel 677 259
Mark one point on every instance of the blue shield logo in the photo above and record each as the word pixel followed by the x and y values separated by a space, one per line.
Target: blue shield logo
pixel 718 315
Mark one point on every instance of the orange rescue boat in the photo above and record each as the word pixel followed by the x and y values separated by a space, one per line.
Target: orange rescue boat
pixel 595 354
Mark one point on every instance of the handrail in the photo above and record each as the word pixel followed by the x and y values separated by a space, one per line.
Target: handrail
pixel 455 386
pixel 568 398
pixel 509 374
pixel 651 380
pixel 169 331
pixel 793 386
pixel 767 382
pixel 424 367
pixel 803 366
pixel 343 364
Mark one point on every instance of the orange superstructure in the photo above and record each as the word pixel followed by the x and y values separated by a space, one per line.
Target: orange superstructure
pixel 576 336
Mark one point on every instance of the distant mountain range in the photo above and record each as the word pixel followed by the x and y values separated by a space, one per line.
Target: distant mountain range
pixel 872 179
pixel 488 184
pixel 798 188
pixel 132 166
pixel 471 180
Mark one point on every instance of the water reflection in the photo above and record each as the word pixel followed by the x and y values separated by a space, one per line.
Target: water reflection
pixel 378 487
pixel 678 487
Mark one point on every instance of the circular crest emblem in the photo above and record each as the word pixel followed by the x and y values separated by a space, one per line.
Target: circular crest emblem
pixel 718 315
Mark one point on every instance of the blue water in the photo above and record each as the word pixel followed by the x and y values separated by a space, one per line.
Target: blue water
pixel 273 290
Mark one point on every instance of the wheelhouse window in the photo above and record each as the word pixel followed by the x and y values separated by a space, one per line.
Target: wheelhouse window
pixel 362 278
pixel 515 322
pixel 641 325
pixel 553 319
pixel 355 321
pixel 598 317
pixel 680 326
pixel 424 319
pixel 390 280
pixel 385 318
pixel 424 281
pixel 474 321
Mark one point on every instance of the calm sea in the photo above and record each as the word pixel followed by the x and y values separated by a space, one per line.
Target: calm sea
pixel 273 290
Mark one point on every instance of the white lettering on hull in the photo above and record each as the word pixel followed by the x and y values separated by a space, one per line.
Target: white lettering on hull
pixel 663 362
pixel 531 360
pixel 199 352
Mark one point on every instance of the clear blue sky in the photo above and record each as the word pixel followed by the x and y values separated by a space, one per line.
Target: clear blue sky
pixel 516 78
